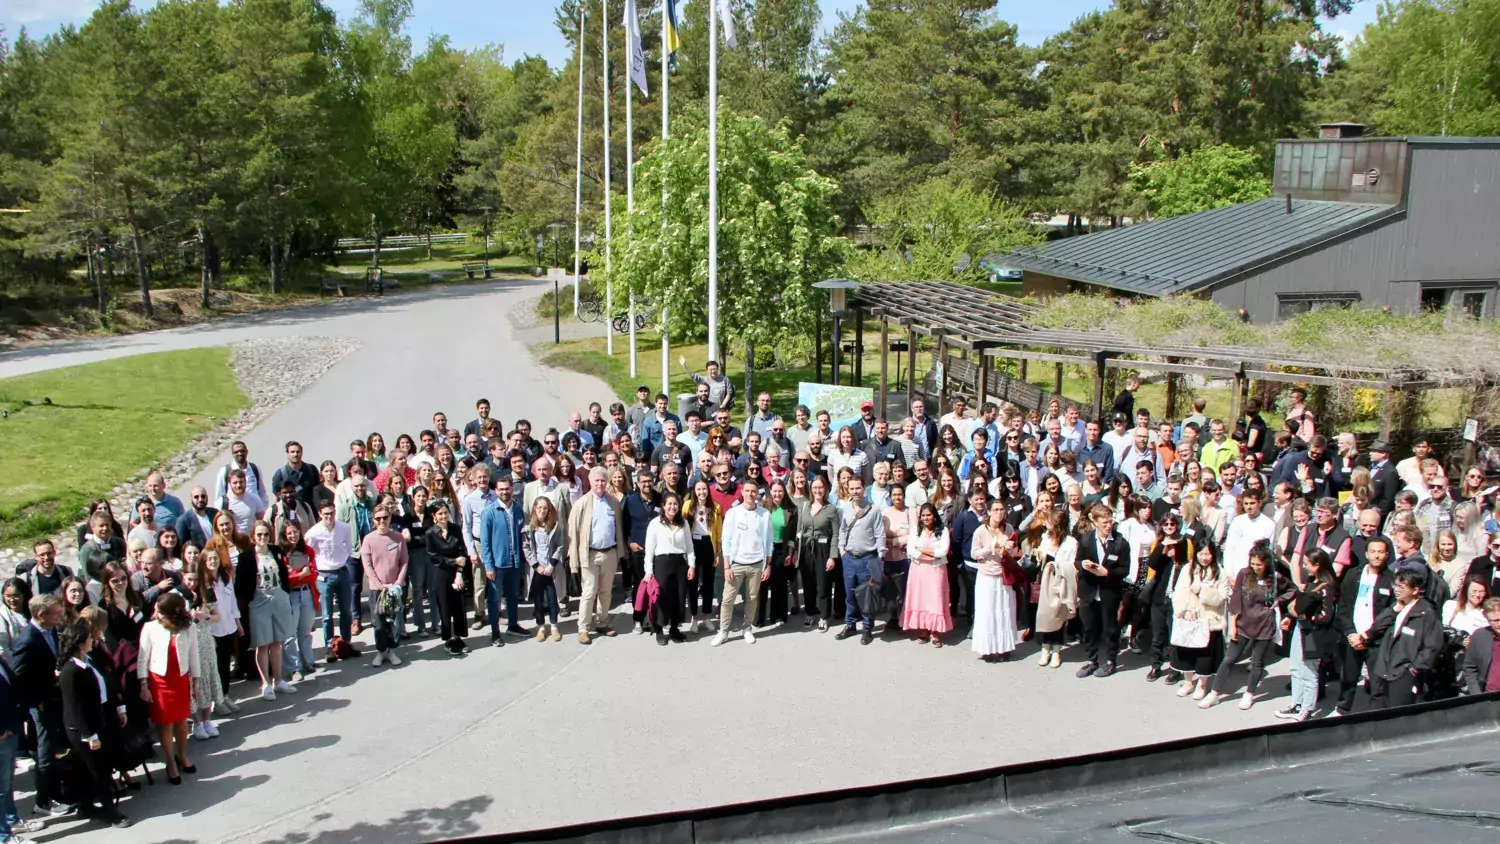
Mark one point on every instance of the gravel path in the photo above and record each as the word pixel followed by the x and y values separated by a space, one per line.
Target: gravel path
pixel 542 734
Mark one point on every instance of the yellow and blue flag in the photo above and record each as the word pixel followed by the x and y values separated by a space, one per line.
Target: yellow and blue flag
pixel 673 42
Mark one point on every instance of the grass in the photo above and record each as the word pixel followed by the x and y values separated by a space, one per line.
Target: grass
pixel 445 257
pixel 106 421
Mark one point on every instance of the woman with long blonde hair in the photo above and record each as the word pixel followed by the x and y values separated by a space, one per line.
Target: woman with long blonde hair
pixel 544 550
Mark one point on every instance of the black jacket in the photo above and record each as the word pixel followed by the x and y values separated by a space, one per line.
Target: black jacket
pixel 36 669
pixel 1343 619
pixel 1116 560
pixel 445 551
pixel 12 714
pixel 1316 608
pixel 1161 569
pixel 1384 485
pixel 83 713
pixel 244 574
pixel 1411 650
pixel 1477 658
pixel 1483 568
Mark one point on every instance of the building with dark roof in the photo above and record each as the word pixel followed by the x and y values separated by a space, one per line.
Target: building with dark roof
pixel 1404 223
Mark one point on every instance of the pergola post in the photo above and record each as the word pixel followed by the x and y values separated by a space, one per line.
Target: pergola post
pixel 885 349
pixel 859 346
pixel 983 380
pixel 1057 380
pixel 940 366
pixel 911 368
pixel 1388 412
pixel 1021 369
pixel 1236 396
pixel 1100 361
pixel 1170 411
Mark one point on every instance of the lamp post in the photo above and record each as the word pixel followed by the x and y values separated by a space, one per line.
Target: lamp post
pixel 838 299
pixel 556 308
pixel 486 209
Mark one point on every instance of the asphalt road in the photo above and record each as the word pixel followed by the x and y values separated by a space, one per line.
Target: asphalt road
pixel 541 734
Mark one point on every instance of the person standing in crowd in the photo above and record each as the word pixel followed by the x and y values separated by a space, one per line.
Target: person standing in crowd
pixel 35 656
pixel 454 571
pixel 302 476
pixel 926 607
pixel 1244 531
pixel 1169 552
pixel 289 509
pixel 822 577
pixel 773 590
pixel 1364 594
pixel 861 546
pixel 167 664
pixel 1199 595
pixel 244 505
pixel 239 461
pixel 207 694
pixel 302 577
pixel 1401 667
pixel 706 518
pixel 994 549
pixel 384 557
pixel 1103 562
pixel 670 562
pixel 899 523
pixel 641 507
pixel 748 547
pixel 596 532
pixel 261 573
pixel 1057 589
pixel 543 548
pixel 720 388
pixel 88 713
pixel 1311 614
pixel 46 576
pixel 332 543
pixel 1258 603
pixel 1481 667
pixel 501 554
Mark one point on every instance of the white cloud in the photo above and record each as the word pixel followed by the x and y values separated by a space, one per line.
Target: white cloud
pixel 53 12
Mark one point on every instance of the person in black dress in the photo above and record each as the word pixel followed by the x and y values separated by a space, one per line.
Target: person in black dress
pixel 88 707
pixel 453 570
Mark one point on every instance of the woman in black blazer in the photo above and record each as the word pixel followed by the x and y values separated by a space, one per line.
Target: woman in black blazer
pixel 88 706
pixel 453 570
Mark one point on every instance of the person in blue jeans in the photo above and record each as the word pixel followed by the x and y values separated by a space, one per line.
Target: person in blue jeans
pixel 861 544
pixel 500 551
pixel 332 542
pixel 11 719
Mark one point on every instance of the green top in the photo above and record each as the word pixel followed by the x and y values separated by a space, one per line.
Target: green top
pixel 778 523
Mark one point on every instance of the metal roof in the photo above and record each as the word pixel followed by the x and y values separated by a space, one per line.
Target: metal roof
pixel 1185 253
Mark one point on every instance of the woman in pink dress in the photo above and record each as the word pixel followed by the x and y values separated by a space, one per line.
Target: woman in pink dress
pixel 168 662
pixel 926 609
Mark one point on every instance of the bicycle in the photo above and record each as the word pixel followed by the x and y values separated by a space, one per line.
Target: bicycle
pixel 591 310
pixel 622 323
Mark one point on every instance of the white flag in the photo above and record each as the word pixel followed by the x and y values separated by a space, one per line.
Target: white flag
pixel 633 44
pixel 726 15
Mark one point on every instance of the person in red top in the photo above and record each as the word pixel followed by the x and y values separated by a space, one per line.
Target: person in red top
pixel 398 464
pixel 168 662
pixel 302 590
pixel 725 491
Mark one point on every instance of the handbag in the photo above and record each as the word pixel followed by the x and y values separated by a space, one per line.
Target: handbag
pixel 872 604
pixel 1189 634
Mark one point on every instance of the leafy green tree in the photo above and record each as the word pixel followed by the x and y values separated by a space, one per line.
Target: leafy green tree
pixel 1210 177
pixel 940 229
pixel 777 235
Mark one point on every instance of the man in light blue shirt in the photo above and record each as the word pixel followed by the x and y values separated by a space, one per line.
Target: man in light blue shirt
pixel 500 551
pixel 747 546
pixel 694 437
pixel 861 544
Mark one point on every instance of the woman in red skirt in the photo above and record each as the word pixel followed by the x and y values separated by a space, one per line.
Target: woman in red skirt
pixel 168 663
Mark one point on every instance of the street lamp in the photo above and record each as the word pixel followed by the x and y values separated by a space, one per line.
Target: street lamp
pixel 486 209
pixel 838 303
pixel 556 307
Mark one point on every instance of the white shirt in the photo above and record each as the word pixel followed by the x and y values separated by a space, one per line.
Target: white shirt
pixel 1364 600
pixel 1243 533
pixel 1140 536
pixel 228 607
pixel 244 510
pixel 664 539
pixel 1120 443
pixel 1466 620
pixel 332 547
pixel 747 535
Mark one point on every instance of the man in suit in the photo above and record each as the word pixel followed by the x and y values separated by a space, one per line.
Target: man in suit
pixel 864 426
pixel 196 524
pixel 1481 670
pixel 34 655
pixel 596 537
pixel 12 716
pixel 1384 481
pixel 1103 561
pixel 500 550
pixel 1364 593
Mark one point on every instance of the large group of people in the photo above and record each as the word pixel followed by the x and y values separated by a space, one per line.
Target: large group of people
pixel 1196 544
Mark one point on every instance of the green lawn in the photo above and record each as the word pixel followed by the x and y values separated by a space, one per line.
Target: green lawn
pixel 445 257
pixel 106 421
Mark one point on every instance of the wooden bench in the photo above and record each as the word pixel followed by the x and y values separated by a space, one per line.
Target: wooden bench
pixel 472 267
pixel 331 287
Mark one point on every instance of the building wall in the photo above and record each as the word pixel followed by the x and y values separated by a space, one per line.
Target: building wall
pixel 1450 232
pixel 1042 285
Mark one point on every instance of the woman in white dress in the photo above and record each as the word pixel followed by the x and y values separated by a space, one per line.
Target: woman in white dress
pixel 995 549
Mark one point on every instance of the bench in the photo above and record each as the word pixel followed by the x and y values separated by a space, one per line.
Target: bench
pixel 472 267
pixel 331 287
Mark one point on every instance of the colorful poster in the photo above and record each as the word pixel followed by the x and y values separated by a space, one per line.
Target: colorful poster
pixel 842 403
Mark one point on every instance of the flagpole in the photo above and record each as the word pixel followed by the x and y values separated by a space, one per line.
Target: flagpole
pixel 713 179
pixel 632 36
pixel 578 176
pixel 666 371
pixel 609 301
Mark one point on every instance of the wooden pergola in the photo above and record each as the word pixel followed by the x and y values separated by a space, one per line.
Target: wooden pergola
pixel 988 325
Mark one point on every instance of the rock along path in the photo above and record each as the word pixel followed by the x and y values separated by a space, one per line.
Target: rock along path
pixel 543 734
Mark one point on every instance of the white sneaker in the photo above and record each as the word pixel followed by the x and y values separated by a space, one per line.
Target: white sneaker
pixel 749 636
pixel 1186 688
pixel 1046 656
pixel 233 707
pixel 719 639
pixel 200 732
pixel 640 627
pixel 697 625
pixel 1056 661
pixel 220 709
pixel 267 693
pixel 1247 700
pixel 1202 693
pixel 284 687
pixel 208 727
pixel 1209 700
pixel 378 661
pixel 394 660
pixel 713 624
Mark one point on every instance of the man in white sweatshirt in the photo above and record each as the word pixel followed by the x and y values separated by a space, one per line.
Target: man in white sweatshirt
pixel 747 546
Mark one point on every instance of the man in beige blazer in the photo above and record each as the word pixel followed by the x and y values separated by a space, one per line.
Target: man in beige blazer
pixel 596 542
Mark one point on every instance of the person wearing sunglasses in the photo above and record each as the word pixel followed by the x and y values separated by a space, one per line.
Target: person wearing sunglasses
pixel 1435 513
pixel 384 556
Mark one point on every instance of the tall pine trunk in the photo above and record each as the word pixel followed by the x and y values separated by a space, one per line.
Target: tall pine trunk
pixel 96 274
pixel 275 263
pixel 749 373
pixel 140 260
pixel 205 281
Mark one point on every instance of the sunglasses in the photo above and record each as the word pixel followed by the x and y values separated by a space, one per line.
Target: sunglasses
pixel 382 518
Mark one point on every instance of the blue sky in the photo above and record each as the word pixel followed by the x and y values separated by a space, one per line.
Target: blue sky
pixel 525 26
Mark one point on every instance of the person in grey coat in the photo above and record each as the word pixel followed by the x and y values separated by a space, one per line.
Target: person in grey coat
pixel 1481 669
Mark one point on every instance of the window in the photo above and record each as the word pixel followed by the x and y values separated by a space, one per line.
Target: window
pixel 1289 305
pixel 1457 299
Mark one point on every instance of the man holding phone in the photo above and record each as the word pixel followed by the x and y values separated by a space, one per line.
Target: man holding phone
pixel 1103 561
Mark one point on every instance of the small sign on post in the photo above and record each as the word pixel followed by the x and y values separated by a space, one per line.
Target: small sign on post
pixel 1471 430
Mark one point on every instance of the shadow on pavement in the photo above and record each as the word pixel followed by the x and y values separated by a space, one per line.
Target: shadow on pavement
pixel 456 820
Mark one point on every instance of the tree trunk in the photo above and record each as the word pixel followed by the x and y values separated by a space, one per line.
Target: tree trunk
pixel 96 274
pixel 275 264
pixel 429 244
pixel 749 373
pixel 140 261
pixel 204 276
pixel 377 249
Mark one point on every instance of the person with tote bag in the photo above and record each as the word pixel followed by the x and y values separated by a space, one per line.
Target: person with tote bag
pixel 1199 596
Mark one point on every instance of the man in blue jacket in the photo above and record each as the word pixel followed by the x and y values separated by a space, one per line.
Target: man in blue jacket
pixel 500 550
pixel 1093 448
pixel 962 577
pixel 34 655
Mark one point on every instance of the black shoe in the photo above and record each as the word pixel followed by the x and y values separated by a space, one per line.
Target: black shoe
pixel 807 622
pixel 676 635
pixel 845 633
pixel 1005 657
pixel 1172 676
pixel 661 639
pixel 1105 670
pixel 866 637
pixel 1087 670
pixel 188 769
pixel 894 627
pixel 497 640
pixel 355 653
pixel 1153 674
pixel 177 780
pixel 518 630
